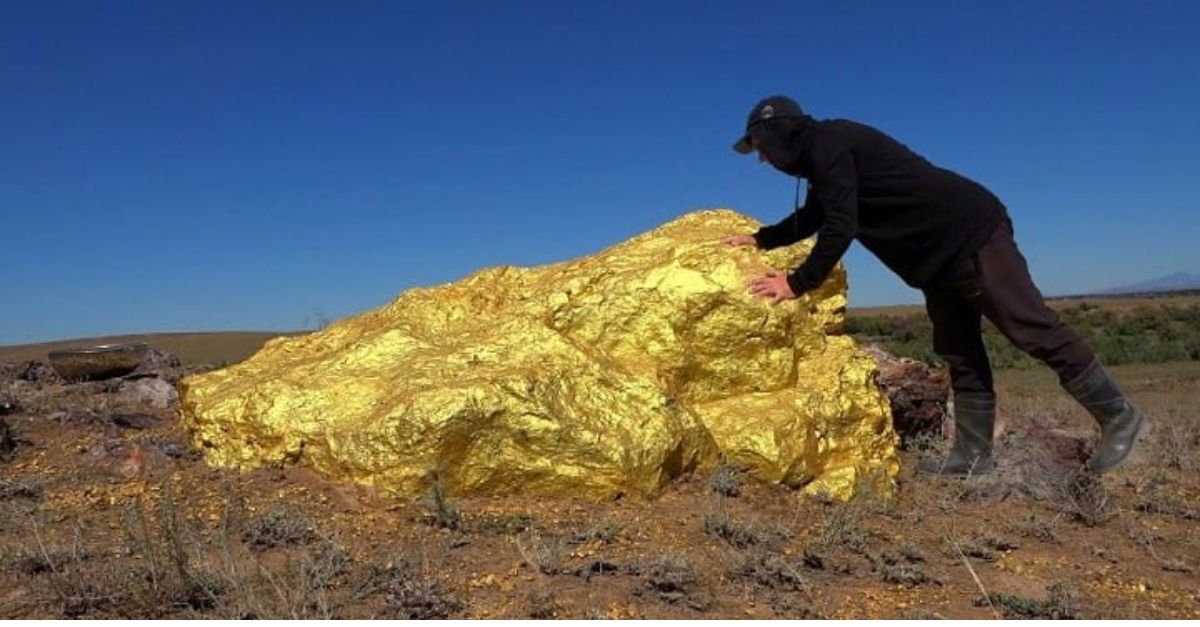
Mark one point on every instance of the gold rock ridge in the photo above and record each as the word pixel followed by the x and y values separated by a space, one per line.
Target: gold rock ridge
pixel 607 374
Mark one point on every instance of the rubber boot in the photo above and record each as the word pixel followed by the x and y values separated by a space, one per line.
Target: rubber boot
pixel 1121 424
pixel 974 420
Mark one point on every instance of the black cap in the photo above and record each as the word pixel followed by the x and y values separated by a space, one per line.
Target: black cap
pixel 767 108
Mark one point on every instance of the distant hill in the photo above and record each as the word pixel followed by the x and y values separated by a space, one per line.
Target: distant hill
pixel 204 348
pixel 1171 283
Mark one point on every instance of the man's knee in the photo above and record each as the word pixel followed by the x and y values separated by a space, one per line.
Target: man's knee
pixel 1055 344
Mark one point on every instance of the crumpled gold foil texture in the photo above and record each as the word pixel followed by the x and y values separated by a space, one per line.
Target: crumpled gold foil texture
pixel 607 374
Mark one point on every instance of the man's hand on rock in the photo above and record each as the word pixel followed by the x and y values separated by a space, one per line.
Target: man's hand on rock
pixel 772 285
pixel 739 240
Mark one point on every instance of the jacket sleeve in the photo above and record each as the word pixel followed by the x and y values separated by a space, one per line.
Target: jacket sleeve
pixel 835 185
pixel 802 223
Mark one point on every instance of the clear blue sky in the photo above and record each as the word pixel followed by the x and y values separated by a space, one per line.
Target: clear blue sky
pixel 250 165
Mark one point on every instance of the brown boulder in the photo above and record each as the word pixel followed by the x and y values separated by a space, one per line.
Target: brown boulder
pixel 150 391
pixel 918 394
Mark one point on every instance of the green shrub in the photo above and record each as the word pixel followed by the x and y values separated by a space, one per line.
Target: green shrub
pixel 1149 333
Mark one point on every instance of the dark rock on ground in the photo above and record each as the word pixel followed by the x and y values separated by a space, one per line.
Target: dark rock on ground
pixel 918 394
pixel 134 421
pixel 175 450
pixel 8 441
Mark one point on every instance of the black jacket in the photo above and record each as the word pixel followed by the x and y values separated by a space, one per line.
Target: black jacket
pixel 919 219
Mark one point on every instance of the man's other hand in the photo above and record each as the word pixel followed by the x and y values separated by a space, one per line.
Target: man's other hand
pixel 739 240
pixel 772 285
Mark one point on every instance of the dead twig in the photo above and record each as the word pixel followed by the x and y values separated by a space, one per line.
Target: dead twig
pixel 974 576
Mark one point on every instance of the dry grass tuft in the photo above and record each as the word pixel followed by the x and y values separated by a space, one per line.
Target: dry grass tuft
pixel 544 552
pixel 672 577
pixel 1061 603
pixel 772 571
pixel 444 513
pixel 278 527
pixel 1087 499
pixel 726 480
pixel 407 593
pixel 740 534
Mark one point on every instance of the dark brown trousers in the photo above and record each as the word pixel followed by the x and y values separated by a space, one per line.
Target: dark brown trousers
pixel 995 283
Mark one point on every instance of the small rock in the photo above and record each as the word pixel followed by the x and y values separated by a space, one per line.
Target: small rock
pixel 671 597
pixel 134 421
pixel 172 450
pixel 117 459
pixel 157 362
pixel 131 463
pixel 150 391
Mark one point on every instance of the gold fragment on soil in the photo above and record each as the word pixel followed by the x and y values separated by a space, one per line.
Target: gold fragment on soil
pixel 604 375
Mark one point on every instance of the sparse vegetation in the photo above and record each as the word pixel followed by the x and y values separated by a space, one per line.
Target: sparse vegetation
pixel 968 547
pixel 543 552
pixel 842 529
pixel 1176 565
pixel 500 524
pixel 1149 333
pixel 543 604
pixel 604 533
pixel 672 577
pixel 738 533
pixel 1144 537
pixel 178 539
pixel 277 527
pixel 407 593
pixel 20 489
pixel 1177 436
pixel 772 571
pixel 1087 499
pixel 444 513
pixel 1061 603
pixel 1039 528
pixel 726 480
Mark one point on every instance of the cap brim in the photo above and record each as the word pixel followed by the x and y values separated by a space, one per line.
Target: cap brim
pixel 742 146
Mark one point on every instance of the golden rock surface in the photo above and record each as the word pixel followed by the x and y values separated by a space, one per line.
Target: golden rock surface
pixel 607 374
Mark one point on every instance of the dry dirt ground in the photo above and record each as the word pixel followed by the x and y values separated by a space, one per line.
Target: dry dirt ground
pixel 106 511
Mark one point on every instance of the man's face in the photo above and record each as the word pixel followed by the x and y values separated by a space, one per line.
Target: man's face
pixel 762 156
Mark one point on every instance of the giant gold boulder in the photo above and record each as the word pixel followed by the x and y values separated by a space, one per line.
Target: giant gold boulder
pixel 604 375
